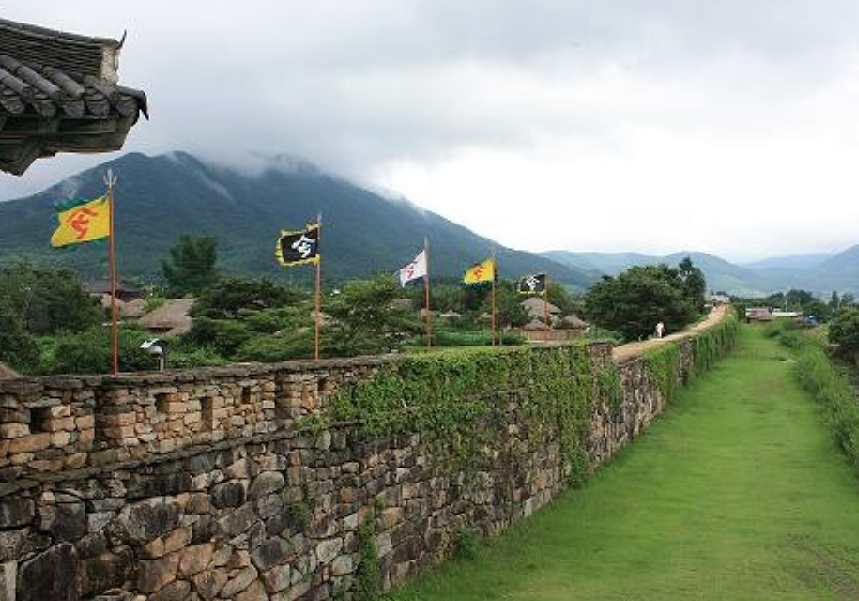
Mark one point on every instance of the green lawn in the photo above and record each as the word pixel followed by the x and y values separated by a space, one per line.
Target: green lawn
pixel 736 493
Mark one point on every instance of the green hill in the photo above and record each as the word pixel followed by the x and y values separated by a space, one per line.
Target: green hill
pixel 160 198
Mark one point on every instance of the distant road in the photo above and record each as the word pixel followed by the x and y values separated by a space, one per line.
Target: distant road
pixel 626 352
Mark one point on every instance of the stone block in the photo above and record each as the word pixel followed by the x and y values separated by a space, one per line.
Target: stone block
pixel 123 433
pixel 327 550
pixel 8 578
pixel 238 583
pixel 106 571
pixel 20 459
pixel 255 592
pixel 154 574
pixel 195 559
pixel 266 483
pixel 53 575
pixel 237 521
pixel 177 590
pixel 277 579
pixel 16 512
pixel 85 422
pixel 57 424
pixel 209 583
pixel 32 443
pixel 168 543
pixel 14 430
pixel 60 439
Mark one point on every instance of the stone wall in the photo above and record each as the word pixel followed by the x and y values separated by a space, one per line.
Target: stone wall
pixel 203 485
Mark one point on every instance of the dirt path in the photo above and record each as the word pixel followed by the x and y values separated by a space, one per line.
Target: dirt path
pixel 626 352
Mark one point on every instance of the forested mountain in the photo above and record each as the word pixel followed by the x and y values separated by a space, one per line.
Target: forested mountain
pixel 160 198
pixel 819 274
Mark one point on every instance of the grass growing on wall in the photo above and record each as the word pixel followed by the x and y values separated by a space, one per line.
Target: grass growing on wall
pixel 736 493
pixel 663 362
pixel 461 393
pixel 827 384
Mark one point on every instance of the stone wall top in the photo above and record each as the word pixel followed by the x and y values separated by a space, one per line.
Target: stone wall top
pixel 55 423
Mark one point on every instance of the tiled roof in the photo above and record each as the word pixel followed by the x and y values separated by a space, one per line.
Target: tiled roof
pixel 59 93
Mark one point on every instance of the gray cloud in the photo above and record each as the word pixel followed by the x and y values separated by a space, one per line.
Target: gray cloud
pixel 607 103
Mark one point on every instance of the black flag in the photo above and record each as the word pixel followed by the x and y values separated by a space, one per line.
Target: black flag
pixel 532 284
pixel 298 248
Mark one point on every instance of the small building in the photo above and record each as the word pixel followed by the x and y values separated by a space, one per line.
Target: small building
pixel 170 319
pixel 574 323
pixel 538 308
pixel 124 292
pixel 758 314
pixel 536 325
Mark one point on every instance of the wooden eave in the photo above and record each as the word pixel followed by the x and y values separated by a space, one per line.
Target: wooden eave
pixel 59 93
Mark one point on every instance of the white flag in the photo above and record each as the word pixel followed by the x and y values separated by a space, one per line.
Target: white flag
pixel 414 270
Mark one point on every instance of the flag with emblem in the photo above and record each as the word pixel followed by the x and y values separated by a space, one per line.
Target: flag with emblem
pixel 81 221
pixel 299 247
pixel 481 272
pixel 532 284
pixel 414 270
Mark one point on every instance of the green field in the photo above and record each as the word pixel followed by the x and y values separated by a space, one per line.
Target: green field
pixel 736 493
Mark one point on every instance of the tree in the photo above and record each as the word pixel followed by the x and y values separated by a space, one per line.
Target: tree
pixel 17 347
pixel 191 267
pixel 47 300
pixel 365 319
pixel 844 331
pixel 445 297
pixel 91 351
pixel 692 283
pixel 561 298
pixel 819 309
pixel 510 311
pixel 834 301
pixel 230 296
pixel 636 300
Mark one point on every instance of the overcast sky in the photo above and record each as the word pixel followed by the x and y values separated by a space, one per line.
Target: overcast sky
pixel 729 127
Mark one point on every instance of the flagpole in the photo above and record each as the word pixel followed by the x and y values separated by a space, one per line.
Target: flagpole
pixel 494 301
pixel 546 307
pixel 317 294
pixel 427 295
pixel 110 181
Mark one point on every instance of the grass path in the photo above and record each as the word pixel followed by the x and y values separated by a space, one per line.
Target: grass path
pixel 736 493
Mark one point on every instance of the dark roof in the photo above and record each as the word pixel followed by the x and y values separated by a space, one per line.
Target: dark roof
pixel 104 287
pixel 59 93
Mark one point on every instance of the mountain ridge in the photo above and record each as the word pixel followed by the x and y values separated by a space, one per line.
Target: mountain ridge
pixel 818 273
pixel 364 232
pixel 159 198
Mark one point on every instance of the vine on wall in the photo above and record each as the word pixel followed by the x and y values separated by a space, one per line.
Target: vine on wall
pixel 465 394
pixel 663 362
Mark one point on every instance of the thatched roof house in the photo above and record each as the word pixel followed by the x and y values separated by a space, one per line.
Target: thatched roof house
pixel 572 322
pixel 536 325
pixel 537 307
pixel 171 318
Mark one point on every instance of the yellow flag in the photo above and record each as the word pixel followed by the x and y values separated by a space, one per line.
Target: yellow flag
pixel 482 272
pixel 83 222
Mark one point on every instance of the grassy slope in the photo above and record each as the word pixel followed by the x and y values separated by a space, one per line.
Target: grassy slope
pixel 737 492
